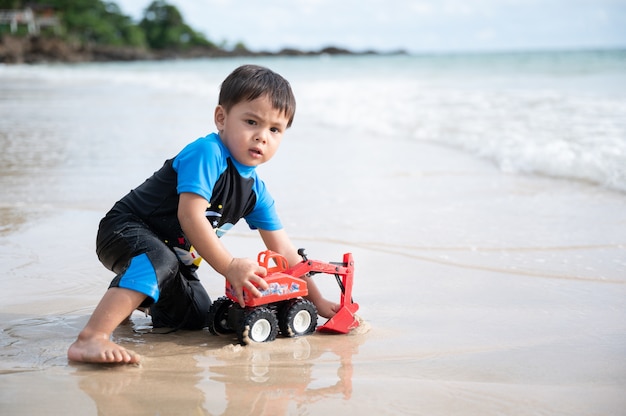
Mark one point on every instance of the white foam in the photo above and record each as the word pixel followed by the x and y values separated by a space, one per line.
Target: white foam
pixel 532 114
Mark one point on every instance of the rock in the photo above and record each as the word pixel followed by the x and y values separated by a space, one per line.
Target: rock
pixel 42 49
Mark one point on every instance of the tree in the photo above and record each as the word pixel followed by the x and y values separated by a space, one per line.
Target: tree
pixel 103 23
pixel 10 4
pixel 165 28
pixel 90 21
pixel 98 22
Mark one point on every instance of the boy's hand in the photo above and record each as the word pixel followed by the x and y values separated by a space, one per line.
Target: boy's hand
pixel 326 308
pixel 246 273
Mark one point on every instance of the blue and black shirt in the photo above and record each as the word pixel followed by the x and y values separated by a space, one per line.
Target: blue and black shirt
pixel 204 167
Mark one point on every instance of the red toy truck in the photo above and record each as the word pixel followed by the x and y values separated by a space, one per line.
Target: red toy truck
pixel 282 306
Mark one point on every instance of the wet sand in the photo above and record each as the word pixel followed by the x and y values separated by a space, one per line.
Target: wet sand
pixel 481 293
pixel 535 326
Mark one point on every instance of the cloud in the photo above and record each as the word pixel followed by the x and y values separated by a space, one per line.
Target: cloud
pixel 416 25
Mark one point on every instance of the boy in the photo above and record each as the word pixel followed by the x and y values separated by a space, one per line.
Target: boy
pixel 148 237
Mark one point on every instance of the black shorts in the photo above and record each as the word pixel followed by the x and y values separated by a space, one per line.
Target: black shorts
pixel 145 264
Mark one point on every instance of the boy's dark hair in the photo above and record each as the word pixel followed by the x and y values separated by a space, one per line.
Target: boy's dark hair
pixel 249 82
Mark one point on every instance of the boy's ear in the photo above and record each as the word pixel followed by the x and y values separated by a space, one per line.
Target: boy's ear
pixel 219 116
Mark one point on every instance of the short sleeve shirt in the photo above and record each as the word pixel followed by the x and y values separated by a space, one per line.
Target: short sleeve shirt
pixel 204 167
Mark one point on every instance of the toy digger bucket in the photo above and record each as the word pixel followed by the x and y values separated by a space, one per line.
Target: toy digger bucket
pixel 344 320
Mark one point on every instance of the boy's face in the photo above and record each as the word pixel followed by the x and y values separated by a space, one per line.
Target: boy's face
pixel 251 130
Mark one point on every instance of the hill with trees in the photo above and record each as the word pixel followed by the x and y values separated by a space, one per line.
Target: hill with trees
pixel 94 30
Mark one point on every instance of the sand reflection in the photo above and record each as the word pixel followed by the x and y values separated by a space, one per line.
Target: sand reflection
pixel 196 373
pixel 119 390
pixel 277 378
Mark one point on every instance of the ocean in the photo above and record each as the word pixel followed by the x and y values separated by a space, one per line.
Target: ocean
pixel 559 114
pixel 482 196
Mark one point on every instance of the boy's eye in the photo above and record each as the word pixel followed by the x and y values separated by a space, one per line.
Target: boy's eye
pixel 251 122
pixel 274 130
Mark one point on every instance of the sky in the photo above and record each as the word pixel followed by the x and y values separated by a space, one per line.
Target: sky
pixel 411 25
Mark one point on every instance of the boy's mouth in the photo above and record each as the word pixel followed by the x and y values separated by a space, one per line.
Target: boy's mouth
pixel 256 152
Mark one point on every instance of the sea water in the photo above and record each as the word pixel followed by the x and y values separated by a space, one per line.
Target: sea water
pixel 481 195
pixel 560 114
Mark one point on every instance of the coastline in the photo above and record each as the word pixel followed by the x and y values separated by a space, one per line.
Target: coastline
pixel 41 49
pixel 484 292
pixel 486 331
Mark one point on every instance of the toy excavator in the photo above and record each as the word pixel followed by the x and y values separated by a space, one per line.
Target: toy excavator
pixel 282 307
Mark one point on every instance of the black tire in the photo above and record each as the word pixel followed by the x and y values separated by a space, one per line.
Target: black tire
pixel 258 325
pixel 297 318
pixel 218 316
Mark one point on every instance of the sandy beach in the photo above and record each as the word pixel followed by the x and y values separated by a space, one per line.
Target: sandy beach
pixel 481 292
pixel 449 329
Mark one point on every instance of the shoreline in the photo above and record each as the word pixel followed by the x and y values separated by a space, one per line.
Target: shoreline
pixel 489 339
pixel 484 292
pixel 40 49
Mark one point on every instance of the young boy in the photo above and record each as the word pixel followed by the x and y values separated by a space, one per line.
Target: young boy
pixel 148 237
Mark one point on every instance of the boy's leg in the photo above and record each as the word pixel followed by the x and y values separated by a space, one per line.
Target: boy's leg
pixel 122 246
pixel 93 343
pixel 148 271
pixel 183 304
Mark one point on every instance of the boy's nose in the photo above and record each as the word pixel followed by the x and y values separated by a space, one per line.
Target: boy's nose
pixel 260 137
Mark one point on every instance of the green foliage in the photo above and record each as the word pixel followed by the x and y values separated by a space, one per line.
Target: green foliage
pixel 239 46
pixel 102 22
pixel 165 28
pixel 90 21
pixel 10 4
pixel 98 22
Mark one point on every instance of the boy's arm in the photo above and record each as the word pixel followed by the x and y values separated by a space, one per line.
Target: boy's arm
pixel 240 272
pixel 279 242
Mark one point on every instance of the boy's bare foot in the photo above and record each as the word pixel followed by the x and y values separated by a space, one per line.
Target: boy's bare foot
pixel 94 343
pixel 100 349
pixel 326 308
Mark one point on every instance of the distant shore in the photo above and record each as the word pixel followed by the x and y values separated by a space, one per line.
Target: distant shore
pixel 39 49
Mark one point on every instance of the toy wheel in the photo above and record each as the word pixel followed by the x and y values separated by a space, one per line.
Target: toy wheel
pixel 218 316
pixel 259 325
pixel 298 317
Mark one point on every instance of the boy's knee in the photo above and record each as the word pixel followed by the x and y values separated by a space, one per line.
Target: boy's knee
pixel 183 305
